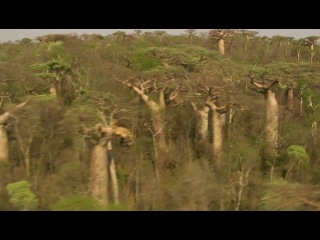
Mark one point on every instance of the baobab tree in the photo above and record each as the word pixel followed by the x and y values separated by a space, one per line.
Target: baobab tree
pixel 157 109
pixel 310 42
pixel 267 88
pixel 297 46
pixel 203 118
pixel 216 119
pixel 220 36
pixel 102 158
pixel 137 32
pixel 247 35
pixel 59 78
pixel 4 118
pixel 160 34
pixel 119 35
pixel 283 43
pixel 267 41
pixel 191 33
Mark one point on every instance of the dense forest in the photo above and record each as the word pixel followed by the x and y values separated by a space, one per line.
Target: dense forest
pixel 219 120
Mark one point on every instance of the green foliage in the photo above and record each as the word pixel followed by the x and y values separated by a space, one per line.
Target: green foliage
pixel 25 41
pixel 57 50
pixel 77 203
pixel 21 195
pixel 84 69
pixel 55 66
pixel 143 62
pixel 297 152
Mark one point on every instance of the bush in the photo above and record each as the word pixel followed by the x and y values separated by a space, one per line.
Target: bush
pixel 21 196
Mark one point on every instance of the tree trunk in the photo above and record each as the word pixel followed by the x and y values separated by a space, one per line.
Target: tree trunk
pixel 272 125
pixel 311 57
pixel 158 124
pixel 113 173
pixel 246 44
pixel 289 106
pixel 4 147
pixel 217 140
pixel 221 47
pixel 203 125
pixel 298 57
pixel 99 173
pixel 53 90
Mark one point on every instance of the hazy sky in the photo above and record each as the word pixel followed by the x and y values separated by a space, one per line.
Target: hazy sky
pixel 17 34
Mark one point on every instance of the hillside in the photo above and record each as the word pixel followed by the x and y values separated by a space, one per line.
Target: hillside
pixel 151 121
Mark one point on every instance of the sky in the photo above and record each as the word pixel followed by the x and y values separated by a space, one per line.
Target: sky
pixel 18 34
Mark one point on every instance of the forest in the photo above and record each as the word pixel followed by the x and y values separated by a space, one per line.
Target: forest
pixel 224 120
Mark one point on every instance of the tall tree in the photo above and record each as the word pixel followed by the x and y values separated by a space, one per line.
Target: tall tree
pixel 160 34
pixel 191 33
pixel 311 42
pixel 157 109
pixel 4 118
pixel 102 159
pixel 247 35
pixel 58 74
pixel 267 88
pixel 220 36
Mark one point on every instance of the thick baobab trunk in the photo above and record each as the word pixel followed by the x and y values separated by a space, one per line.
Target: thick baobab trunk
pixel 4 148
pixel 99 173
pixel 271 124
pixel 217 122
pixel 202 126
pixel 217 139
pixel 246 44
pixel 221 48
pixel 158 124
pixel 272 115
pixel 271 127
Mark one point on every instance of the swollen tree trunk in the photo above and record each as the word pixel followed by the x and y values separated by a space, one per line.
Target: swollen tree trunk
pixel 203 124
pixel 159 126
pixel 216 119
pixel 271 127
pixel 202 128
pixel 217 139
pixel 221 48
pixel 246 43
pixel 272 115
pixel 4 147
pixel 271 124
pixel 101 153
pixel 99 173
